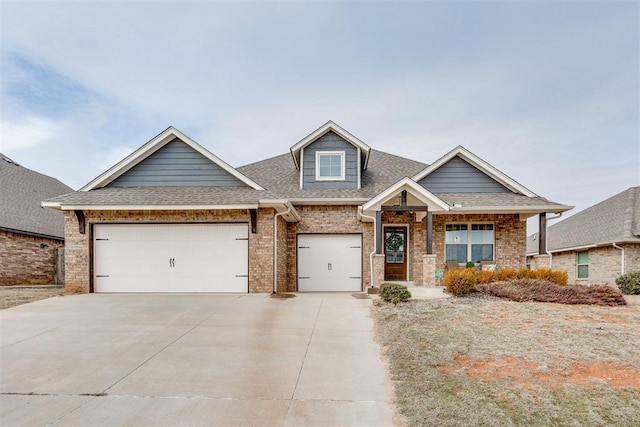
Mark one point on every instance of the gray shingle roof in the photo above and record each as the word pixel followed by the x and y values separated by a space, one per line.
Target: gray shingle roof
pixel 21 192
pixel 149 196
pixel 616 219
pixel 499 200
pixel 281 178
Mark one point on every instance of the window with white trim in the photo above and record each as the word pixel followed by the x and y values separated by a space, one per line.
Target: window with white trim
pixel 469 242
pixel 582 261
pixel 330 165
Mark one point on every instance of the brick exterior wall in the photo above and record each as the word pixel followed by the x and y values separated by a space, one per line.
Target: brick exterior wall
pixel 510 240
pixel 25 262
pixel 327 220
pixel 509 231
pixel 283 253
pixel 604 264
pixel 631 257
pixel 78 247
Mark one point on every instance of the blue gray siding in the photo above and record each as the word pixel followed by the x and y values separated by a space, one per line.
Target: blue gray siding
pixel 330 142
pixel 176 165
pixel 458 176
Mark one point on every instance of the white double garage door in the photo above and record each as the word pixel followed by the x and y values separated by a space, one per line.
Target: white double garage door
pixel 211 258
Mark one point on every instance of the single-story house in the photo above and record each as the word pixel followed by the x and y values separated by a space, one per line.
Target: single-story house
pixel 598 244
pixel 333 214
pixel 29 234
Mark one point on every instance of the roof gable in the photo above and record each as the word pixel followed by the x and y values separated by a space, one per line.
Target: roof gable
pixel 459 176
pixel 480 165
pixel 418 192
pixel 176 164
pixel 125 168
pixel 330 126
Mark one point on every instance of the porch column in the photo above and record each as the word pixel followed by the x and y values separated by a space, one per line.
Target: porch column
pixel 542 234
pixel 378 232
pixel 429 233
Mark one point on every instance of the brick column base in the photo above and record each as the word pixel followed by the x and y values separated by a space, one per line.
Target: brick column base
pixel 429 270
pixel 378 270
pixel 541 261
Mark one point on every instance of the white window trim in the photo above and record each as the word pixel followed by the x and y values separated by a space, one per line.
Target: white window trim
pixel 578 264
pixel 342 166
pixel 469 243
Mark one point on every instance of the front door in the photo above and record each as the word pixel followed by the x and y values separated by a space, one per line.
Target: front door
pixel 395 251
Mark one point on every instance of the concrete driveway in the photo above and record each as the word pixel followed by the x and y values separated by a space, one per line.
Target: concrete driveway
pixel 176 359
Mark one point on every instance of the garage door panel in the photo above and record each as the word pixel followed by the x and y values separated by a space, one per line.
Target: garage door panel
pixel 329 262
pixel 171 257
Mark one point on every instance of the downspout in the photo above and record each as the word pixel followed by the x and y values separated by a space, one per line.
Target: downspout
pixel 275 247
pixel 547 248
pixel 373 218
pixel 555 217
pixel 621 257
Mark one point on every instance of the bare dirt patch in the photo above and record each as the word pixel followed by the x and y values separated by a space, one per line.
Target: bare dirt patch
pixel 10 296
pixel 472 361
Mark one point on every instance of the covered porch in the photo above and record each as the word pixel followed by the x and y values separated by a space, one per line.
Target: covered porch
pixel 403 234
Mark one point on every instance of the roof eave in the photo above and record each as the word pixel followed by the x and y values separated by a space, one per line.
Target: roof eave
pixel 290 214
pixel 595 245
pixel 159 207
pixel 33 234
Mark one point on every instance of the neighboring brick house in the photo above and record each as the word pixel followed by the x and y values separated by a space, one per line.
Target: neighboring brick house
pixel 598 244
pixel 331 215
pixel 29 234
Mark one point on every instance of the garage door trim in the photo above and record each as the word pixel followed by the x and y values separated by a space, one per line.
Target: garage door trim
pixel 92 246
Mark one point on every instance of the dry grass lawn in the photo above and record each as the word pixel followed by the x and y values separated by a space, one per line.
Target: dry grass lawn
pixel 11 296
pixel 492 362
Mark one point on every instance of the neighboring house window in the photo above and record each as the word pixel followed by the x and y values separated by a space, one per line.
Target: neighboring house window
pixel 469 242
pixel 583 264
pixel 330 166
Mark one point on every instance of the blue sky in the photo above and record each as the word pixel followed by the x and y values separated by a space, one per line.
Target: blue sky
pixel 546 91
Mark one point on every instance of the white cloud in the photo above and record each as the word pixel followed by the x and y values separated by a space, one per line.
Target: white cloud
pixel 29 131
pixel 547 92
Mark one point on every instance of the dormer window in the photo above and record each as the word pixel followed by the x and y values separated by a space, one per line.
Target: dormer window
pixel 330 165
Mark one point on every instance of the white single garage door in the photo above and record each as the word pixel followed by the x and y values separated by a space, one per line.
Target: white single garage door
pixel 329 262
pixel 171 257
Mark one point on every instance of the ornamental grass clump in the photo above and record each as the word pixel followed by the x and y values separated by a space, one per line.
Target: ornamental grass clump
pixel 394 293
pixel 629 284
pixel 460 282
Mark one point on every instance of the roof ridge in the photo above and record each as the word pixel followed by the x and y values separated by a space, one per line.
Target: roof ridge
pixel 400 157
pixel 264 160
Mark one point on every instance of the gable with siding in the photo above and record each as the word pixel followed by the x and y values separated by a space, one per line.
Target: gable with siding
pixel 176 165
pixel 459 176
pixel 330 142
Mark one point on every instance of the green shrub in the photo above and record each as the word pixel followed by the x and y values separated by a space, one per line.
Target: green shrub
pixel 629 284
pixel 470 264
pixel 460 282
pixel 391 292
